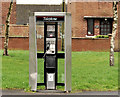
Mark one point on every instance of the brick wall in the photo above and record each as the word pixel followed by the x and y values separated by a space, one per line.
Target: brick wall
pixel 96 30
pixel 81 44
pixel 22 43
pixel 5 8
pixel 78 44
pixel 16 30
pixel 23 30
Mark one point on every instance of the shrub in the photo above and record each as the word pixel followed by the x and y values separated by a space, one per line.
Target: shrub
pixel 102 36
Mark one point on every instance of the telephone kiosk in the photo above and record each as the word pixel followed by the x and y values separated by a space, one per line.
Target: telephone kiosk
pixel 50 54
pixel 50 51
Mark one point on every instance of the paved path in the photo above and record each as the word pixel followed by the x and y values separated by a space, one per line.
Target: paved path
pixel 22 92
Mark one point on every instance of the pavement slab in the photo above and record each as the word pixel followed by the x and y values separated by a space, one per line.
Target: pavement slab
pixel 47 92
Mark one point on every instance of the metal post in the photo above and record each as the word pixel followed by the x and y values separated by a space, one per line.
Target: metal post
pixel 32 53
pixel 68 52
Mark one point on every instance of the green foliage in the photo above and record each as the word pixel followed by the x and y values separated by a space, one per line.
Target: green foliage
pixel 90 71
pixel 101 36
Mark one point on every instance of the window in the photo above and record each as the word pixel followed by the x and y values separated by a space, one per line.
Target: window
pixel 90 27
pixel 105 27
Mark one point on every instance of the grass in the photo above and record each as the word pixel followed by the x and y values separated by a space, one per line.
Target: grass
pixel 90 71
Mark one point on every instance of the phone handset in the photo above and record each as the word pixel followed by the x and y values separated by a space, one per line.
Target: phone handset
pixel 47 48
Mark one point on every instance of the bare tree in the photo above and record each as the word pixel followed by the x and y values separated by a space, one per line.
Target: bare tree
pixel 62 34
pixel 114 30
pixel 7 29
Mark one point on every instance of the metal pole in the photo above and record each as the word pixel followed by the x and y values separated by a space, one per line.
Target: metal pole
pixel 32 53
pixel 68 49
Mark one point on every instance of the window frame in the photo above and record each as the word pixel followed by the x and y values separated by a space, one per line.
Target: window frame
pixel 92 29
pixel 111 25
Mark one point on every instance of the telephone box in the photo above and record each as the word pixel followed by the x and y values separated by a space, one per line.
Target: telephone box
pixel 50 55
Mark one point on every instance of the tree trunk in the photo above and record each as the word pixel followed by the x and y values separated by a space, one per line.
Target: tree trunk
pixel 112 45
pixel 7 30
pixel 62 34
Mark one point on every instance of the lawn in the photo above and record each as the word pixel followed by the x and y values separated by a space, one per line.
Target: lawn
pixel 90 71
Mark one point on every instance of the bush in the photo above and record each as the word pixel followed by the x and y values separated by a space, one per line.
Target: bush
pixel 102 36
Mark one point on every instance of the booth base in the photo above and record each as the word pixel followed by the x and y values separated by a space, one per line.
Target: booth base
pixel 50 91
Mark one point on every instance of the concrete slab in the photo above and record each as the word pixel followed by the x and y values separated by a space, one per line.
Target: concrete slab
pixel 58 92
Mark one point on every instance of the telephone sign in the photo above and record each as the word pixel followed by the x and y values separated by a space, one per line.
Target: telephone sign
pixel 50 18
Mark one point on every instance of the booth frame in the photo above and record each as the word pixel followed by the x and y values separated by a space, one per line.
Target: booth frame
pixel 33 48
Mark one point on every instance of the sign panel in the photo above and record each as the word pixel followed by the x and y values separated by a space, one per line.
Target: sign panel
pixel 50 18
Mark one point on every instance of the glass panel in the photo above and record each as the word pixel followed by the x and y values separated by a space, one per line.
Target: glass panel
pixel 90 26
pixel 105 27
pixel 61 70
pixel 108 30
pixel 102 29
pixel 40 49
pixel 101 26
pixel 102 23
pixel 40 76
pixel 108 26
pixel 108 23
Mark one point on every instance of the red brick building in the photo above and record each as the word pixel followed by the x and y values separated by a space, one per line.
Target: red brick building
pixel 88 19
pixel 91 18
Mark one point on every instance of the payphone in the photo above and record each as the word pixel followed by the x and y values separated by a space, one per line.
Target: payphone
pixel 50 55
pixel 50 51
